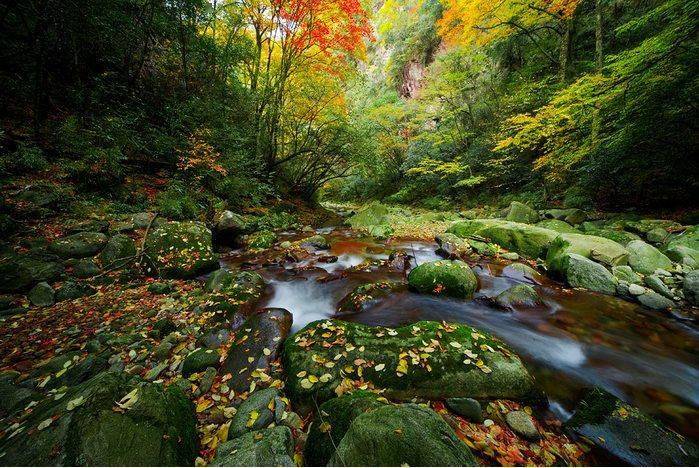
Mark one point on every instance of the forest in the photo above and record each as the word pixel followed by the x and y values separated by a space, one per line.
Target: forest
pixel 349 233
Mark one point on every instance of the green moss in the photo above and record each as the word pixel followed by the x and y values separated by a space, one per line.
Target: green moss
pixel 451 278
pixel 181 250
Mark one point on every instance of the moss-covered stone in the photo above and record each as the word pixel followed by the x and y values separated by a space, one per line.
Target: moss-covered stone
pixel 73 290
pixel 521 213
pixel 261 240
pixel 452 246
pixel 426 359
pixel 625 273
pixel 317 242
pixel 79 245
pixel 628 434
pixel 452 278
pixel 558 226
pixel 645 259
pixel 617 235
pixel 256 412
pixel 83 268
pixel 581 272
pixel 240 286
pixel 371 215
pixel 268 447
pixel 691 287
pixel 531 241
pixel 21 272
pixel 518 296
pixel 365 296
pixel 401 435
pixel 180 250
pixel 41 295
pixel 595 248
pixel 683 255
pixel 199 360
pixel 117 251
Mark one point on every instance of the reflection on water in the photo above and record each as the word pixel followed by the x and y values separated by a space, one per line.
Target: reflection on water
pixel 578 339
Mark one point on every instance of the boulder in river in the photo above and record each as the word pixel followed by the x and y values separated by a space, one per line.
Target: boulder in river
pixel 267 447
pixel 181 250
pixel 255 345
pixel 229 225
pixel 399 435
pixel 317 242
pixel 426 359
pixel 599 249
pixel 449 277
pixel 645 259
pixel 521 213
pixel 79 245
pixel 522 271
pixel 452 246
pixel 581 272
pixel 524 239
pixel 365 296
pixel 691 287
pixel 518 296
pixel 628 434
pixel 151 425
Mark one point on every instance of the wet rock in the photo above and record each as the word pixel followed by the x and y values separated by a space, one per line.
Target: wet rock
pixel 380 231
pixel 691 287
pixel 259 339
pixel 84 268
pixel 584 273
pixel 365 296
pixel 80 245
pixel 625 273
pixel 452 278
pixel 636 289
pixel 683 255
pixel 242 284
pixel 268 447
pixel 452 246
pixel 599 249
pixel 656 284
pixel 467 408
pixel 521 213
pixel 645 259
pixel 332 422
pixel 517 296
pixel 41 295
pixel 261 240
pixel 229 225
pixel 558 226
pixel 215 337
pixel 21 272
pixel 521 271
pixel 73 290
pixel 317 242
pixel 180 250
pixel 118 251
pixel 14 397
pixel 207 380
pixel 653 300
pixel 401 435
pixel 256 412
pixel 157 427
pixel 522 424
pixel 657 235
pixel 628 434
pixel 456 361
pixel 524 239
pixel 199 360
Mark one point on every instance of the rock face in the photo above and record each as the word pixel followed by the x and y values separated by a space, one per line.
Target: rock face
pixel 365 296
pixel 644 258
pixel 521 213
pixel 517 296
pixel 599 249
pixel 118 249
pixel 625 432
pixel 524 239
pixel 156 427
pixel 426 359
pixel 452 246
pixel 181 250
pixel 452 278
pixel 401 435
pixel 20 272
pixel 80 245
pixel 260 339
pixel 268 447
pixel 584 273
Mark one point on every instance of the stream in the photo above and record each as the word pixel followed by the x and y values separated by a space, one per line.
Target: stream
pixel 576 340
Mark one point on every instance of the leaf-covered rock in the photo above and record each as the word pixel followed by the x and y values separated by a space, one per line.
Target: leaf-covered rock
pixel 449 277
pixel 79 245
pixel 267 447
pixel 180 250
pixel 365 296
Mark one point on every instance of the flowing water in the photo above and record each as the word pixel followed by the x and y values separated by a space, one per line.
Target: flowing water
pixel 576 340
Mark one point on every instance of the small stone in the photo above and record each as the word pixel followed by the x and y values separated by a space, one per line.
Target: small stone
pixel 654 300
pixel 466 407
pixel 514 256
pixel 207 380
pixel 41 295
pixel 199 360
pixel 521 423
pixel 636 289
pixel 656 284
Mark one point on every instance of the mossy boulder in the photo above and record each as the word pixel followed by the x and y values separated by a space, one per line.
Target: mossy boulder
pixel 42 295
pixel 688 238
pixel 229 225
pixel 645 259
pixel 691 287
pixel 180 250
pixel 599 249
pixel 401 435
pixel 625 273
pixel 261 240
pixel 365 296
pixel 199 360
pixel 73 290
pixel 521 213
pixel 518 296
pixel 631 436
pixel 257 412
pixel 449 277
pixel 685 256
pixel 524 239
pixel 239 286
pixel 154 426
pixel 317 242
pixel 371 215
pixel 644 226
pixel 83 268
pixel 452 246
pixel 558 226
pixel 267 447
pixel 581 272
pixel 21 272
pixel 332 422
pixel 117 251
pixel 426 359
pixel 522 271
pixel 79 245
pixel 570 215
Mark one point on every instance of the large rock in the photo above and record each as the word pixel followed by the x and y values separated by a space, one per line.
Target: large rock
pixel 240 286
pixel 332 422
pixel 118 250
pixel 689 238
pixel 452 246
pixel 41 295
pixel 450 277
pixel 268 447
pixel 73 290
pixel 518 296
pixel 683 255
pixel 625 273
pixel 21 272
pixel 371 215
pixel 558 226
pixel 644 226
pixel 229 225
pixel 255 345
pixel 645 259
pixel 401 435
pixel 691 287
pixel 80 245
pixel 653 300
pixel 581 272
pixel 571 215
pixel 180 250
pixel 596 248
pixel 365 296
pixel 631 436
pixel 199 360
pixel 426 359
pixel 153 426
pixel 524 239
pixel 257 412
pixel 521 213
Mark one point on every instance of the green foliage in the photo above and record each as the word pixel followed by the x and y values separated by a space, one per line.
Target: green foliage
pixel 27 158
pixel 176 202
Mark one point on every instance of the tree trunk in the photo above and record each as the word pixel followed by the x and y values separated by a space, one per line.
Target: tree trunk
pixel 565 53
pixel 599 57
